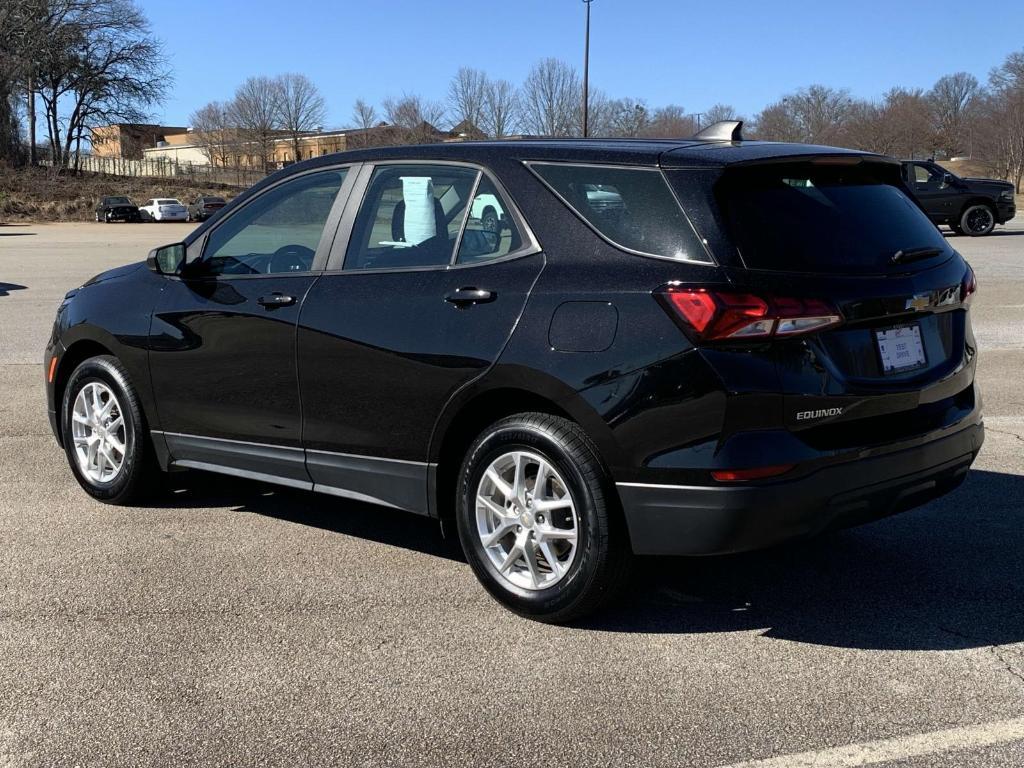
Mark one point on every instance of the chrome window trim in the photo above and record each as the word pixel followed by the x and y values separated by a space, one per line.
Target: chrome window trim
pixel 530 247
pixel 710 262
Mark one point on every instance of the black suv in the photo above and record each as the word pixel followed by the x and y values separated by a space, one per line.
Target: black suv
pixel 968 206
pixel 116 208
pixel 667 347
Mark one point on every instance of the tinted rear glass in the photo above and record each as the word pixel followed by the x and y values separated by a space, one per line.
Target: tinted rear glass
pixel 632 207
pixel 822 218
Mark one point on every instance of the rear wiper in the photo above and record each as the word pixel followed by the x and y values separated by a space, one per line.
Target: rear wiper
pixel 904 255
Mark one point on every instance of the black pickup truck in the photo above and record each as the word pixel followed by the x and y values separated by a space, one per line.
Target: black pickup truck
pixel 969 206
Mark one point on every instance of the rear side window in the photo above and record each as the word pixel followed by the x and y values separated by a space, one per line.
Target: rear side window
pixel 805 217
pixel 490 231
pixel 633 208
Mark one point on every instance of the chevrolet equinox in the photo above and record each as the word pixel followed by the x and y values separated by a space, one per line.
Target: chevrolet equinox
pixel 572 351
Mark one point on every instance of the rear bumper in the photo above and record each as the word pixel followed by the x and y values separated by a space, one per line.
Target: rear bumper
pixel 700 520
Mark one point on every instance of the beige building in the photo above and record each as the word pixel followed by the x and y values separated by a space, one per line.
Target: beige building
pixel 129 140
pixel 187 147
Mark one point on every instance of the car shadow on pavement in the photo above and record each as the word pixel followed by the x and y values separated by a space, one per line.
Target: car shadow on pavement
pixel 352 518
pixel 993 233
pixel 947 576
pixel 6 288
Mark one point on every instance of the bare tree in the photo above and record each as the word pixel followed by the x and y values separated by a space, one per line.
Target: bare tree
pixel 719 112
pixel 364 117
pixel 1001 123
pixel 817 114
pixel 952 100
pixel 501 109
pixel 416 120
pixel 98 65
pixel 670 122
pixel 302 108
pixel 776 122
pixel 624 117
pixel 256 111
pixel 467 96
pixel 215 133
pixel 552 99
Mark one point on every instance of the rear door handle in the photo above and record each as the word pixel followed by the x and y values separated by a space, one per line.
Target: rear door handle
pixel 462 297
pixel 275 300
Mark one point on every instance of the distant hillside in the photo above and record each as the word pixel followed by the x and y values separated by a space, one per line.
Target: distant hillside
pixel 35 194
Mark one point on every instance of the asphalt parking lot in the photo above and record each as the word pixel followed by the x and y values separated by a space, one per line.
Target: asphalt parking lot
pixel 236 624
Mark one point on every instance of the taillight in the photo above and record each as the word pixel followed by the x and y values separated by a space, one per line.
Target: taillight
pixel 968 286
pixel 708 314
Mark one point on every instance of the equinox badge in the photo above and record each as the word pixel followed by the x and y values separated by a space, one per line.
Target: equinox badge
pixel 819 414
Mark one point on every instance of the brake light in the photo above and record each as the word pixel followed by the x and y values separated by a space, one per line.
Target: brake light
pixel 758 473
pixel 709 315
pixel 968 286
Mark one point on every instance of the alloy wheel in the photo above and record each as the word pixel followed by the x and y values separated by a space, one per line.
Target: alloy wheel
pixel 99 433
pixel 978 218
pixel 527 521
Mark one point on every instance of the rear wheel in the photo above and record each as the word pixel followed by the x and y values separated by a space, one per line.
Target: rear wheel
pixel 489 221
pixel 537 519
pixel 978 220
pixel 104 437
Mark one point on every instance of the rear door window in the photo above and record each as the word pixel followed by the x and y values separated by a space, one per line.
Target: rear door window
pixel 633 208
pixel 806 217
pixel 411 216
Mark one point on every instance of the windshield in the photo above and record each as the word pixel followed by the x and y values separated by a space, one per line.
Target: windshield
pixel 805 217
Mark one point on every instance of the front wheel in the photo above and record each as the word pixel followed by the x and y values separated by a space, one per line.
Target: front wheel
pixel 103 432
pixel 978 220
pixel 538 520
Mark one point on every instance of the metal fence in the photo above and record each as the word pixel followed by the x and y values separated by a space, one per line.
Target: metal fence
pixel 164 168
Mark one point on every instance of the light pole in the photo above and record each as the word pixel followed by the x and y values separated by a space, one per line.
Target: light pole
pixel 586 72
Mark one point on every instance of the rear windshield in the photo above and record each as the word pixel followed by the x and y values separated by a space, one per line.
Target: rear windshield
pixel 632 207
pixel 116 201
pixel 167 202
pixel 805 217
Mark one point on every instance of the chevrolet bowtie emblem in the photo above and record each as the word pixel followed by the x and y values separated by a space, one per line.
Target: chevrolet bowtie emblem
pixel 919 302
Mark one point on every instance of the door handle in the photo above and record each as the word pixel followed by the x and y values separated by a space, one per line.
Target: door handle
pixel 275 300
pixel 463 297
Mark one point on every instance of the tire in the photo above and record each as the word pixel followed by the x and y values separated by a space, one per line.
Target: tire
pixel 93 379
pixel 188 217
pixel 978 220
pixel 489 221
pixel 591 568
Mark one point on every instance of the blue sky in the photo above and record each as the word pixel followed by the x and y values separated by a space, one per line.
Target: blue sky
pixel 688 53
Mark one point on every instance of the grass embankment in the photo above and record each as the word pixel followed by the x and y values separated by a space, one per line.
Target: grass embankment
pixel 37 194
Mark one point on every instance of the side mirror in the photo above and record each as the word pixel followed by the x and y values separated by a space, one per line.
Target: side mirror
pixel 167 260
pixel 947 180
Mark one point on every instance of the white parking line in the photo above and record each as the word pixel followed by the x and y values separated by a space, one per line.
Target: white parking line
pixel 900 748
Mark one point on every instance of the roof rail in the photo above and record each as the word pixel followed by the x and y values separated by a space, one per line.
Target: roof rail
pixel 723 130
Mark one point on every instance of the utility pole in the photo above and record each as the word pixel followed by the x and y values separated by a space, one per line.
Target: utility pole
pixel 586 73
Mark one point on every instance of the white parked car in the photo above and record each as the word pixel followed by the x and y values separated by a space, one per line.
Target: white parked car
pixel 488 211
pixel 163 209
